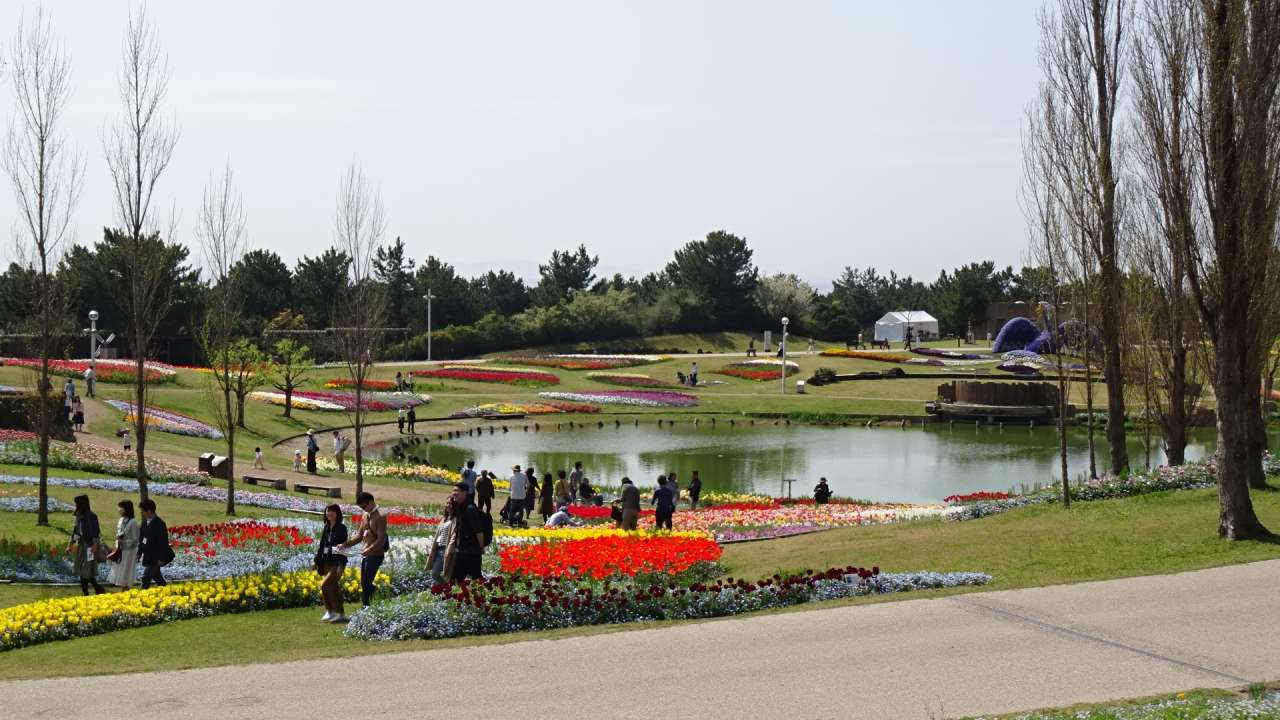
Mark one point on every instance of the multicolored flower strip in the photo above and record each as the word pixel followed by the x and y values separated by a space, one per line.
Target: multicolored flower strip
pixel 343 400
pixel 95 459
pixel 582 361
pixel 413 472
pixel 861 355
pixel 108 371
pixel 543 407
pixel 473 373
pixel 343 383
pixel 759 375
pixel 73 617
pixel 168 421
pixel 502 605
pixel 640 398
pixel 765 363
pixel 629 379
pixel 722 518
pixel 609 556
pixel 17 435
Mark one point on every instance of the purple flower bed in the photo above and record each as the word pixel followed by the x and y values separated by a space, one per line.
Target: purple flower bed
pixel 1016 368
pixel 640 398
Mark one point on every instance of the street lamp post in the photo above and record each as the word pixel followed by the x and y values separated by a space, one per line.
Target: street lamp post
pixel 428 297
pixel 784 355
pixel 93 351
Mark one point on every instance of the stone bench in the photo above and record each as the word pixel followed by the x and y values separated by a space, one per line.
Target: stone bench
pixel 332 491
pixel 273 483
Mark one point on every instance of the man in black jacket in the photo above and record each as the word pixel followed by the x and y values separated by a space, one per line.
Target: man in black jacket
pixel 468 542
pixel 695 489
pixel 153 551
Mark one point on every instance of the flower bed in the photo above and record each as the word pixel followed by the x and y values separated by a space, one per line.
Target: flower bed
pixel 759 375
pixel 380 468
pixel 603 557
pixel 629 379
pixel 860 355
pixel 32 562
pixel 766 363
pixel 168 421
pixel 736 517
pixel 484 375
pixel 95 459
pixel 108 371
pixel 72 617
pixel 976 497
pixel 641 398
pixel 17 435
pixel 949 354
pixel 344 383
pixel 343 400
pixel 502 606
pixel 581 361
pixel 543 407
pixel 31 503
pixel 766 533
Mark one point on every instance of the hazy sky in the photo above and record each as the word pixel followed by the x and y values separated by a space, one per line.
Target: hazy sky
pixel 827 134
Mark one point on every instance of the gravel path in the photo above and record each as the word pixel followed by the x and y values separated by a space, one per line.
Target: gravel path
pixel 978 653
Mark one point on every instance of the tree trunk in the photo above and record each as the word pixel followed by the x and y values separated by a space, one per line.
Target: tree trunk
pixel 140 421
pixel 288 400
pixel 1175 425
pixel 1239 455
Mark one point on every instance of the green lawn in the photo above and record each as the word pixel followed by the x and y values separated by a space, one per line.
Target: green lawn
pixel 1032 546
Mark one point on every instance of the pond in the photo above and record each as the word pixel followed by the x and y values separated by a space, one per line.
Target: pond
pixel 884 464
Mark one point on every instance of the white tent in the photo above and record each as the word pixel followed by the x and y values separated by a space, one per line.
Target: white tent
pixel 893 326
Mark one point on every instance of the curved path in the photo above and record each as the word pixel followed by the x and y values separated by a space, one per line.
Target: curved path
pixel 977 653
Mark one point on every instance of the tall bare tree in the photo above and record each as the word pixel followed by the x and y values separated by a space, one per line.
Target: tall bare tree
pixel 45 174
pixel 1232 269
pixel 221 232
pixel 138 148
pixel 1082 52
pixel 359 225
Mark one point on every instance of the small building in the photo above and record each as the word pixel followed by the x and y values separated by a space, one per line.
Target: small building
pixel 999 313
pixel 893 326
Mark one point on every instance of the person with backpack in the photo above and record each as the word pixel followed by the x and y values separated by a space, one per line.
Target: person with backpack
pixel 466 539
pixel 485 492
pixel 374 543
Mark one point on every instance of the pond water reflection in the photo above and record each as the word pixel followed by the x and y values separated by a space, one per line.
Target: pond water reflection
pixel 883 464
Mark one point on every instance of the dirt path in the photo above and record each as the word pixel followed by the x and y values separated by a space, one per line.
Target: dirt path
pixel 981 653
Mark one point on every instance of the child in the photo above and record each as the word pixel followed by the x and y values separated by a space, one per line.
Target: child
pixel 297 461
pixel 128 442
pixel 257 459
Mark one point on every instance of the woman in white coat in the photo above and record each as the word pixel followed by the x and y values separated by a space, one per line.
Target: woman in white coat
pixel 124 574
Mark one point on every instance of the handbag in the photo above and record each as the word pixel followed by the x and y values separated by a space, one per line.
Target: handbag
pixel 115 554
pixel 101 555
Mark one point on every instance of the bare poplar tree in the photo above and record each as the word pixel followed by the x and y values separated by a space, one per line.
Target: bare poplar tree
pixel 1083 47
pixel 1232 269
pixel 359 225
pixel 138 148
pixel 45 174
pixel 221 232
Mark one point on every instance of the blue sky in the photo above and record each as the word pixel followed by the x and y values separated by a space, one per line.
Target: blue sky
pixel 827 134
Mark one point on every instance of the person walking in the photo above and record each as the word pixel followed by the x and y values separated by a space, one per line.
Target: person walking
pixel 630 505
pixel 154 551
pixel 546 499
pixel 128 440
pixel 313 447
pixel 124 571
pixel 257 459
pixel 413 420
pixel 86 537
pixel 469 477
pixel 751 348
pixel 515 509
pixel 77 413
pixel 695 489
pixel 906 343
pixel 372 536
pixel 822 492
pixel 673 484
pixel 563 494
pixel 68 393
pixel 485 492
pixel 531 492
pixel 399 382
pixel 297 460
pixel 693 376
pixel 575 478
pixel 665 505
pixel 331 562
pixel 811 349
pixel 400 420
pixel 435 560
pixel 408 381
pixel 340 445
pixel 466 539
pixel 89 382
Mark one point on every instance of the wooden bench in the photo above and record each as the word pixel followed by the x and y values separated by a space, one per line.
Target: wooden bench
pixel 273 483
pixel 332 491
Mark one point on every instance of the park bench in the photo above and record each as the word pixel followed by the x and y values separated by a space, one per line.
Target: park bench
pixel 273 483
pixel 332 491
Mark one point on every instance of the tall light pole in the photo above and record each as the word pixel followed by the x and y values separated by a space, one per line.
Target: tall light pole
pixel 428 297
pixel 93 351
pixel 784 355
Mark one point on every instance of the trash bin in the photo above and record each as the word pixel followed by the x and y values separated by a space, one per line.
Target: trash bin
pixel 218 467
pixel 205 463
pixel 799 387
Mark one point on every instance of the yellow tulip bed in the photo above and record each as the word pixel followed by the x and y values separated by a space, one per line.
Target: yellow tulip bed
pixel 73 617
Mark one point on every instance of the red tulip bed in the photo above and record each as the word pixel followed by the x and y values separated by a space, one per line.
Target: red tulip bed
pixel 108 371
pixel 18 435
pixel 759 375
pixel 583 362
pixel 608 556
pixel 531 378
pixel 976 497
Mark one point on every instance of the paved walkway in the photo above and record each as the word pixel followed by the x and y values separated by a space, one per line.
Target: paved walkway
pixel 978 653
